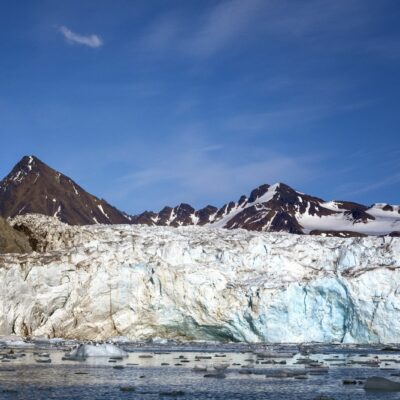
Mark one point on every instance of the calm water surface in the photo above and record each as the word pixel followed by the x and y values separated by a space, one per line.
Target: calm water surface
pixel 166 371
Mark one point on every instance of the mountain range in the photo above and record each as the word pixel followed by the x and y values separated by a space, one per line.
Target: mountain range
pixel 34 187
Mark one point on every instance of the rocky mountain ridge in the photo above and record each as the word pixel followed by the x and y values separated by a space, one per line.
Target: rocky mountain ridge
pixel 34 187
pixel 279 208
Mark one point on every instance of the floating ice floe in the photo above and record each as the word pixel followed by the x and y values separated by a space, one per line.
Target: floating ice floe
pixel 221 366
pixel 158 340
pixel 100 350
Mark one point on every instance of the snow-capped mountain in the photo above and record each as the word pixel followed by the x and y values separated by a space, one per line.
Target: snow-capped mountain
pixel 279 208
pixel 34 187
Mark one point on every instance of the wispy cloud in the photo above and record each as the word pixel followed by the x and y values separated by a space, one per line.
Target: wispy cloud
pixel 280 119
pixel 199 172
pixel 211 31
pixel 93 40
pixel 370 187
pixel 223 24
pixel 229 23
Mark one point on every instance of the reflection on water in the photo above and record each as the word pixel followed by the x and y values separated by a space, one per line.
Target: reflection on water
pixel 169 371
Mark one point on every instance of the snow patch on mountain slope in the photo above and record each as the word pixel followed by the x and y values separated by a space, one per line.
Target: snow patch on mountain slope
pixel 99 281
pixel 102 211
pixel 267 196
pixel 381 225
pixel 384 211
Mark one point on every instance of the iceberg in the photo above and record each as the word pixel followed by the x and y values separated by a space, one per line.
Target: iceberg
pixel 96 350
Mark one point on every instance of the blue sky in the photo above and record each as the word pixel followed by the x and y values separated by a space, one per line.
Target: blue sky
pixel 149 103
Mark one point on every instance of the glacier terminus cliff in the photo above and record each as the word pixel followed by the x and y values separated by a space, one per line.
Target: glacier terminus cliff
pixel 197 283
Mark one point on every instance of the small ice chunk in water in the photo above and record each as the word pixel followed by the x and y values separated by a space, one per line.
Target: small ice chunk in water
pixel 221 366
pixel 99 350
pixel 158 340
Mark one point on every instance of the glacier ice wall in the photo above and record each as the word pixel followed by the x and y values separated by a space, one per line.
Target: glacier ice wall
pixel 95 282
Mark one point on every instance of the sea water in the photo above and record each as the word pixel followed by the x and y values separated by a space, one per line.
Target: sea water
pixel 153 371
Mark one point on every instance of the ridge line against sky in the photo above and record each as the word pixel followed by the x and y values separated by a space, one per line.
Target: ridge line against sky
pixel 161 103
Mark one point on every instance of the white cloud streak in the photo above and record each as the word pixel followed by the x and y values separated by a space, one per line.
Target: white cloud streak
pixel 222 26
pixel 370 187
pixel 201 172
pixel 93 41
pixel 320 24
pixel 216 28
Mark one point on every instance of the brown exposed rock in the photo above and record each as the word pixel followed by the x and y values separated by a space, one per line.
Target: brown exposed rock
pixel 181 215
pixel 12 241
pixel 359 215
pixel 258 192
pixel 34 187
pixel 146 218
pixel 206 214
pixel 279 211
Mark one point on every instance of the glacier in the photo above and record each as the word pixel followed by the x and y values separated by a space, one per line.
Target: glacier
pixel 197 283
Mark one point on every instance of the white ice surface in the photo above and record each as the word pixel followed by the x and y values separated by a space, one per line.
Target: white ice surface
pixel 97 350
pixel 381 225
pixel 95 282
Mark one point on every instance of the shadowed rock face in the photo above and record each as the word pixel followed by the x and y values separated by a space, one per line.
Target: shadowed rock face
pixel 34 187
pixel 12 241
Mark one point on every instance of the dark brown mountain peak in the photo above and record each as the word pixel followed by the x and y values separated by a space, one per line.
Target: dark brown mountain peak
pixel 29 162
pixel 285 194
pixel 258 192
pixel 184 208
pixel 242 200
pixel 206 215
pixel 34 187
pixel 26 166
pixel 182 214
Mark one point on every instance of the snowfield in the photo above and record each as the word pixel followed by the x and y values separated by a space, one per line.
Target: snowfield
pixel 96 282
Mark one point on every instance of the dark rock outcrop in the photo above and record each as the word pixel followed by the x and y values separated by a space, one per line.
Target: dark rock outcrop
pixel 12 241
pixel 34 187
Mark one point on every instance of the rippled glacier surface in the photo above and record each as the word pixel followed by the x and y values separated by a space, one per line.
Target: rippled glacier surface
pixel 166 371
